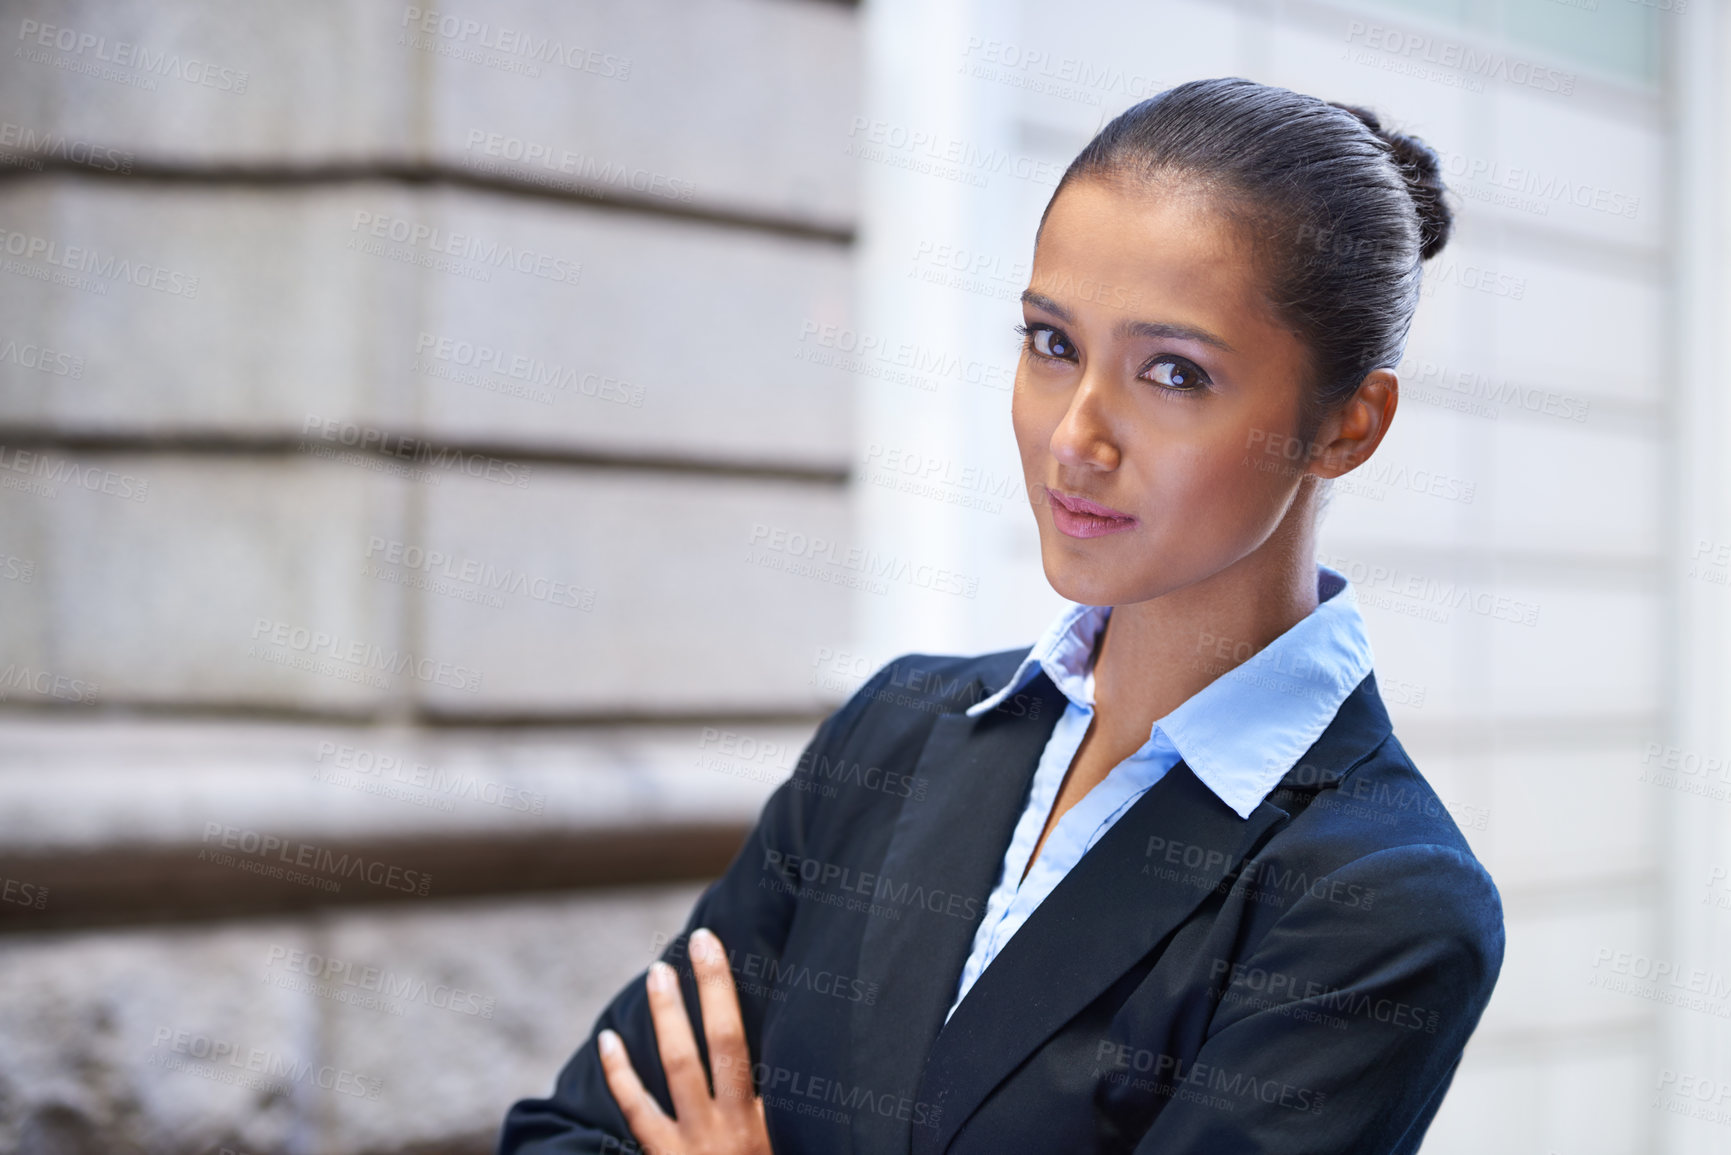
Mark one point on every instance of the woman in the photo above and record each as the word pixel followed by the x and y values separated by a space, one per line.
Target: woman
pixel 1164 881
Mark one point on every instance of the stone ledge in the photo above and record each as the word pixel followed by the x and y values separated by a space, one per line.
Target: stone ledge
pixel 152 885
pixel 116 821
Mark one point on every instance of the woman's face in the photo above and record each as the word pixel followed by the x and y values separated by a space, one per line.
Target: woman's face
pixel 1155 386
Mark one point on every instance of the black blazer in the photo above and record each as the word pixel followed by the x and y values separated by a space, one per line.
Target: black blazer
pixel 1303 980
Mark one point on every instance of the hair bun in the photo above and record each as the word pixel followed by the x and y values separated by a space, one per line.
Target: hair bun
pixel 1423 174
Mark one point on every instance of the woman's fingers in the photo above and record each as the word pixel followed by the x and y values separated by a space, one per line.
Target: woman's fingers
pixel 680 1062
pixel 653 1129
pixel 733 1120
pixel 729 1056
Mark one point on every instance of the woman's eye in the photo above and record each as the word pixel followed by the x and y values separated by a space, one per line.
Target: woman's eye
pixel 1177 374
pixel 1048 342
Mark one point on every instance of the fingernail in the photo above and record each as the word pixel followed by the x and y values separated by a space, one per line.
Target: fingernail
pixel 704 944
pixel 609 1043
pixel 660 975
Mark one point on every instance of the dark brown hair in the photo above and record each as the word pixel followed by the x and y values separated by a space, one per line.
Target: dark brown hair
pixel 1343 211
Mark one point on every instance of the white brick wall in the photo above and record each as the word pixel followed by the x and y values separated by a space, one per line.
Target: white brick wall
pixel 1533 735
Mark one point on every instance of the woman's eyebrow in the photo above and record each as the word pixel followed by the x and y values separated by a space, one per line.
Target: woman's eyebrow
pixel 1171 332
pixel 1157 329
pixel 1041 301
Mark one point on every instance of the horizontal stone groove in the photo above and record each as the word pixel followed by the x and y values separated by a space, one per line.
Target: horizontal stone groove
pixel 286 175
pixel 1455 734
pixel 1591 252
pixel 1564 1041
pixel 152 885
pixel 1638 891
pixel 1478 734
pixel 1573 569
pixel 242 444
pixel 432 718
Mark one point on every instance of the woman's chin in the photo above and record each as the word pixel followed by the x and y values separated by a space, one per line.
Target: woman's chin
pixel 1079 579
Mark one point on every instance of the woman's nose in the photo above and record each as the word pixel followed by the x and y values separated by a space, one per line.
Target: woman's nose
pixel 1085 436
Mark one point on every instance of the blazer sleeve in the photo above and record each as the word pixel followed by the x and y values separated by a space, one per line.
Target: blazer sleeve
pixel 1349 1023
pixel 581 1115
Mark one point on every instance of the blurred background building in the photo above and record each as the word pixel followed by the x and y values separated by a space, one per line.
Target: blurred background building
pixel 451 458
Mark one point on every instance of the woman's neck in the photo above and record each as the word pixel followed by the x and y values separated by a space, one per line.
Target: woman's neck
pixel 1155 655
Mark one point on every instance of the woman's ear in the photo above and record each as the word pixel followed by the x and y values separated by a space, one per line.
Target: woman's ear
pixel 1349 435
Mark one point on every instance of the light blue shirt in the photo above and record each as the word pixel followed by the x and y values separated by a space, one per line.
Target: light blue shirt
pixel 1239 734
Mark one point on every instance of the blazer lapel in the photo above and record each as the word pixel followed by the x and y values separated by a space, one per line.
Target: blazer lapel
pixel 1126 894
pixel 950 846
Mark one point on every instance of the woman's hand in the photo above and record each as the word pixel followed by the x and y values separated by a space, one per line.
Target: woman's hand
pixel 730 1122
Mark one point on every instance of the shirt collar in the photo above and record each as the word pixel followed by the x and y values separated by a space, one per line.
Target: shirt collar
pixel 1246 729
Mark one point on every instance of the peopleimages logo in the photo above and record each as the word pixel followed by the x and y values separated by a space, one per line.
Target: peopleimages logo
pixel 267 850
pixel 533 371
pixel 23 893
pixel 482 576
pixel 1068 77
pixel 1428 597
pixel 552 166
pixel 363 655
pixel 48 470
pixel 419 450
pixel 377 772
pixel 1171 1077
pixel 42 359
pixel 70 149
pixel 335 978
pixel 937 154
pixel 513 42
pixel 775 546
pixel 466 247
pixel 36 35
pixel 1465 60
pixel 832 883
pixel 1533 189
pixel 253 1067
pixel 46 684
pixel 904 362
pixel 105 266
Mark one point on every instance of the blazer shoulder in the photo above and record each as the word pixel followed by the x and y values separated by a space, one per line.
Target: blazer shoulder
pixel 1388 790
pixel 1376 852
pixel 1379 804
pixel 1358 784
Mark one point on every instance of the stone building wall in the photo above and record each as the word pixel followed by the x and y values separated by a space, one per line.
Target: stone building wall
pixel 386 421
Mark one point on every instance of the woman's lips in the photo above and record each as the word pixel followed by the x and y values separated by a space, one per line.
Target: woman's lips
pixel 1079 517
